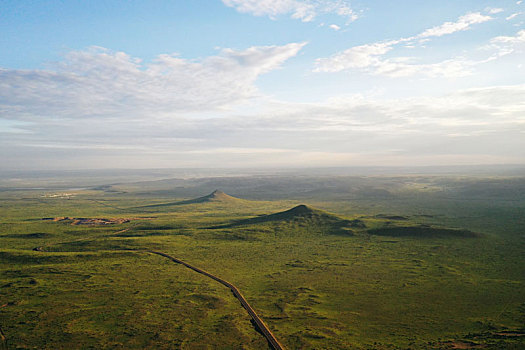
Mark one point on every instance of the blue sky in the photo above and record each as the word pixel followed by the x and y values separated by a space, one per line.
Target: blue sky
pixel 218 83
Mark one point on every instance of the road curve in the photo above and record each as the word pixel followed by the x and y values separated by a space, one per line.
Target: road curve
pixel 274 343
pixel 258 321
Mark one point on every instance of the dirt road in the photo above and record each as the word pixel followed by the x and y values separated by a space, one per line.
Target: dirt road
pixel 272 340
pixel 274 343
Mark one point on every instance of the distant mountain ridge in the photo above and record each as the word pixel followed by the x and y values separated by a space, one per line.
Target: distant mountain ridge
pixel 215 196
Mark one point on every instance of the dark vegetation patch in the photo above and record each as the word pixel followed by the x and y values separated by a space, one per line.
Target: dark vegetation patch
pixel 28 258
pixel 356 223
pixel 152 232
pixel 107 188
pixel 234 236
pixel 491 338
pixel 422 231
pixel 371 192
pixel 32 258
pixel 85 231
pixel 392 217
pixel 93 245
pixel 34 235
pixel 141 234
pixel 149 227
pixel 209 301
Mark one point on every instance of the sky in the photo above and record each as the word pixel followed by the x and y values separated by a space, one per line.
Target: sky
pixel 261 83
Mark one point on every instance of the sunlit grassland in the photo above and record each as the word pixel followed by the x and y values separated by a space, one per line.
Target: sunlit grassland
pixel 95 285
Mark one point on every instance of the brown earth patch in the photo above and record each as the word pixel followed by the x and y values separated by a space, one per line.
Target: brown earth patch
pixel 93 221
pixel 463 345
pixel 510 334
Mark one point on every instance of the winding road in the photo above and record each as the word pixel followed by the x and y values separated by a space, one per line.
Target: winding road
pixel 272 340
pixel 274 343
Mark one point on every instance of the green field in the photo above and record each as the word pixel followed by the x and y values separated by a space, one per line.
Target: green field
pixel 371 262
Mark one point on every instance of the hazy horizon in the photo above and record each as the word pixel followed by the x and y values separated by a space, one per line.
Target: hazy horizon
pixel 9 178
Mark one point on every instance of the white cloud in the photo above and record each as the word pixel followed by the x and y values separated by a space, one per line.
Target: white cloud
pixel 334 27
pixel 401 67
pixel 99 82
pixel 463 23
pixel 506 45
pixel 493 11
pixel 475 125
pixel 339 7
pixel 305 10
pixel 512 16
pixel 362 56
pixel 273 8
pixel 369 57
pixel 517 39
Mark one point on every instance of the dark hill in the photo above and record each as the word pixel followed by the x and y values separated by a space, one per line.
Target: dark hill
pixel 215 196
pixel 304 216
pixel 422 232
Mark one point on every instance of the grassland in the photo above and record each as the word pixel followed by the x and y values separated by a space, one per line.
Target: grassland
pixel 431 262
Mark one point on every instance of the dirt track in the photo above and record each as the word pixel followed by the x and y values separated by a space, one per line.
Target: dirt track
pixel 273 342
pixel 258 321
